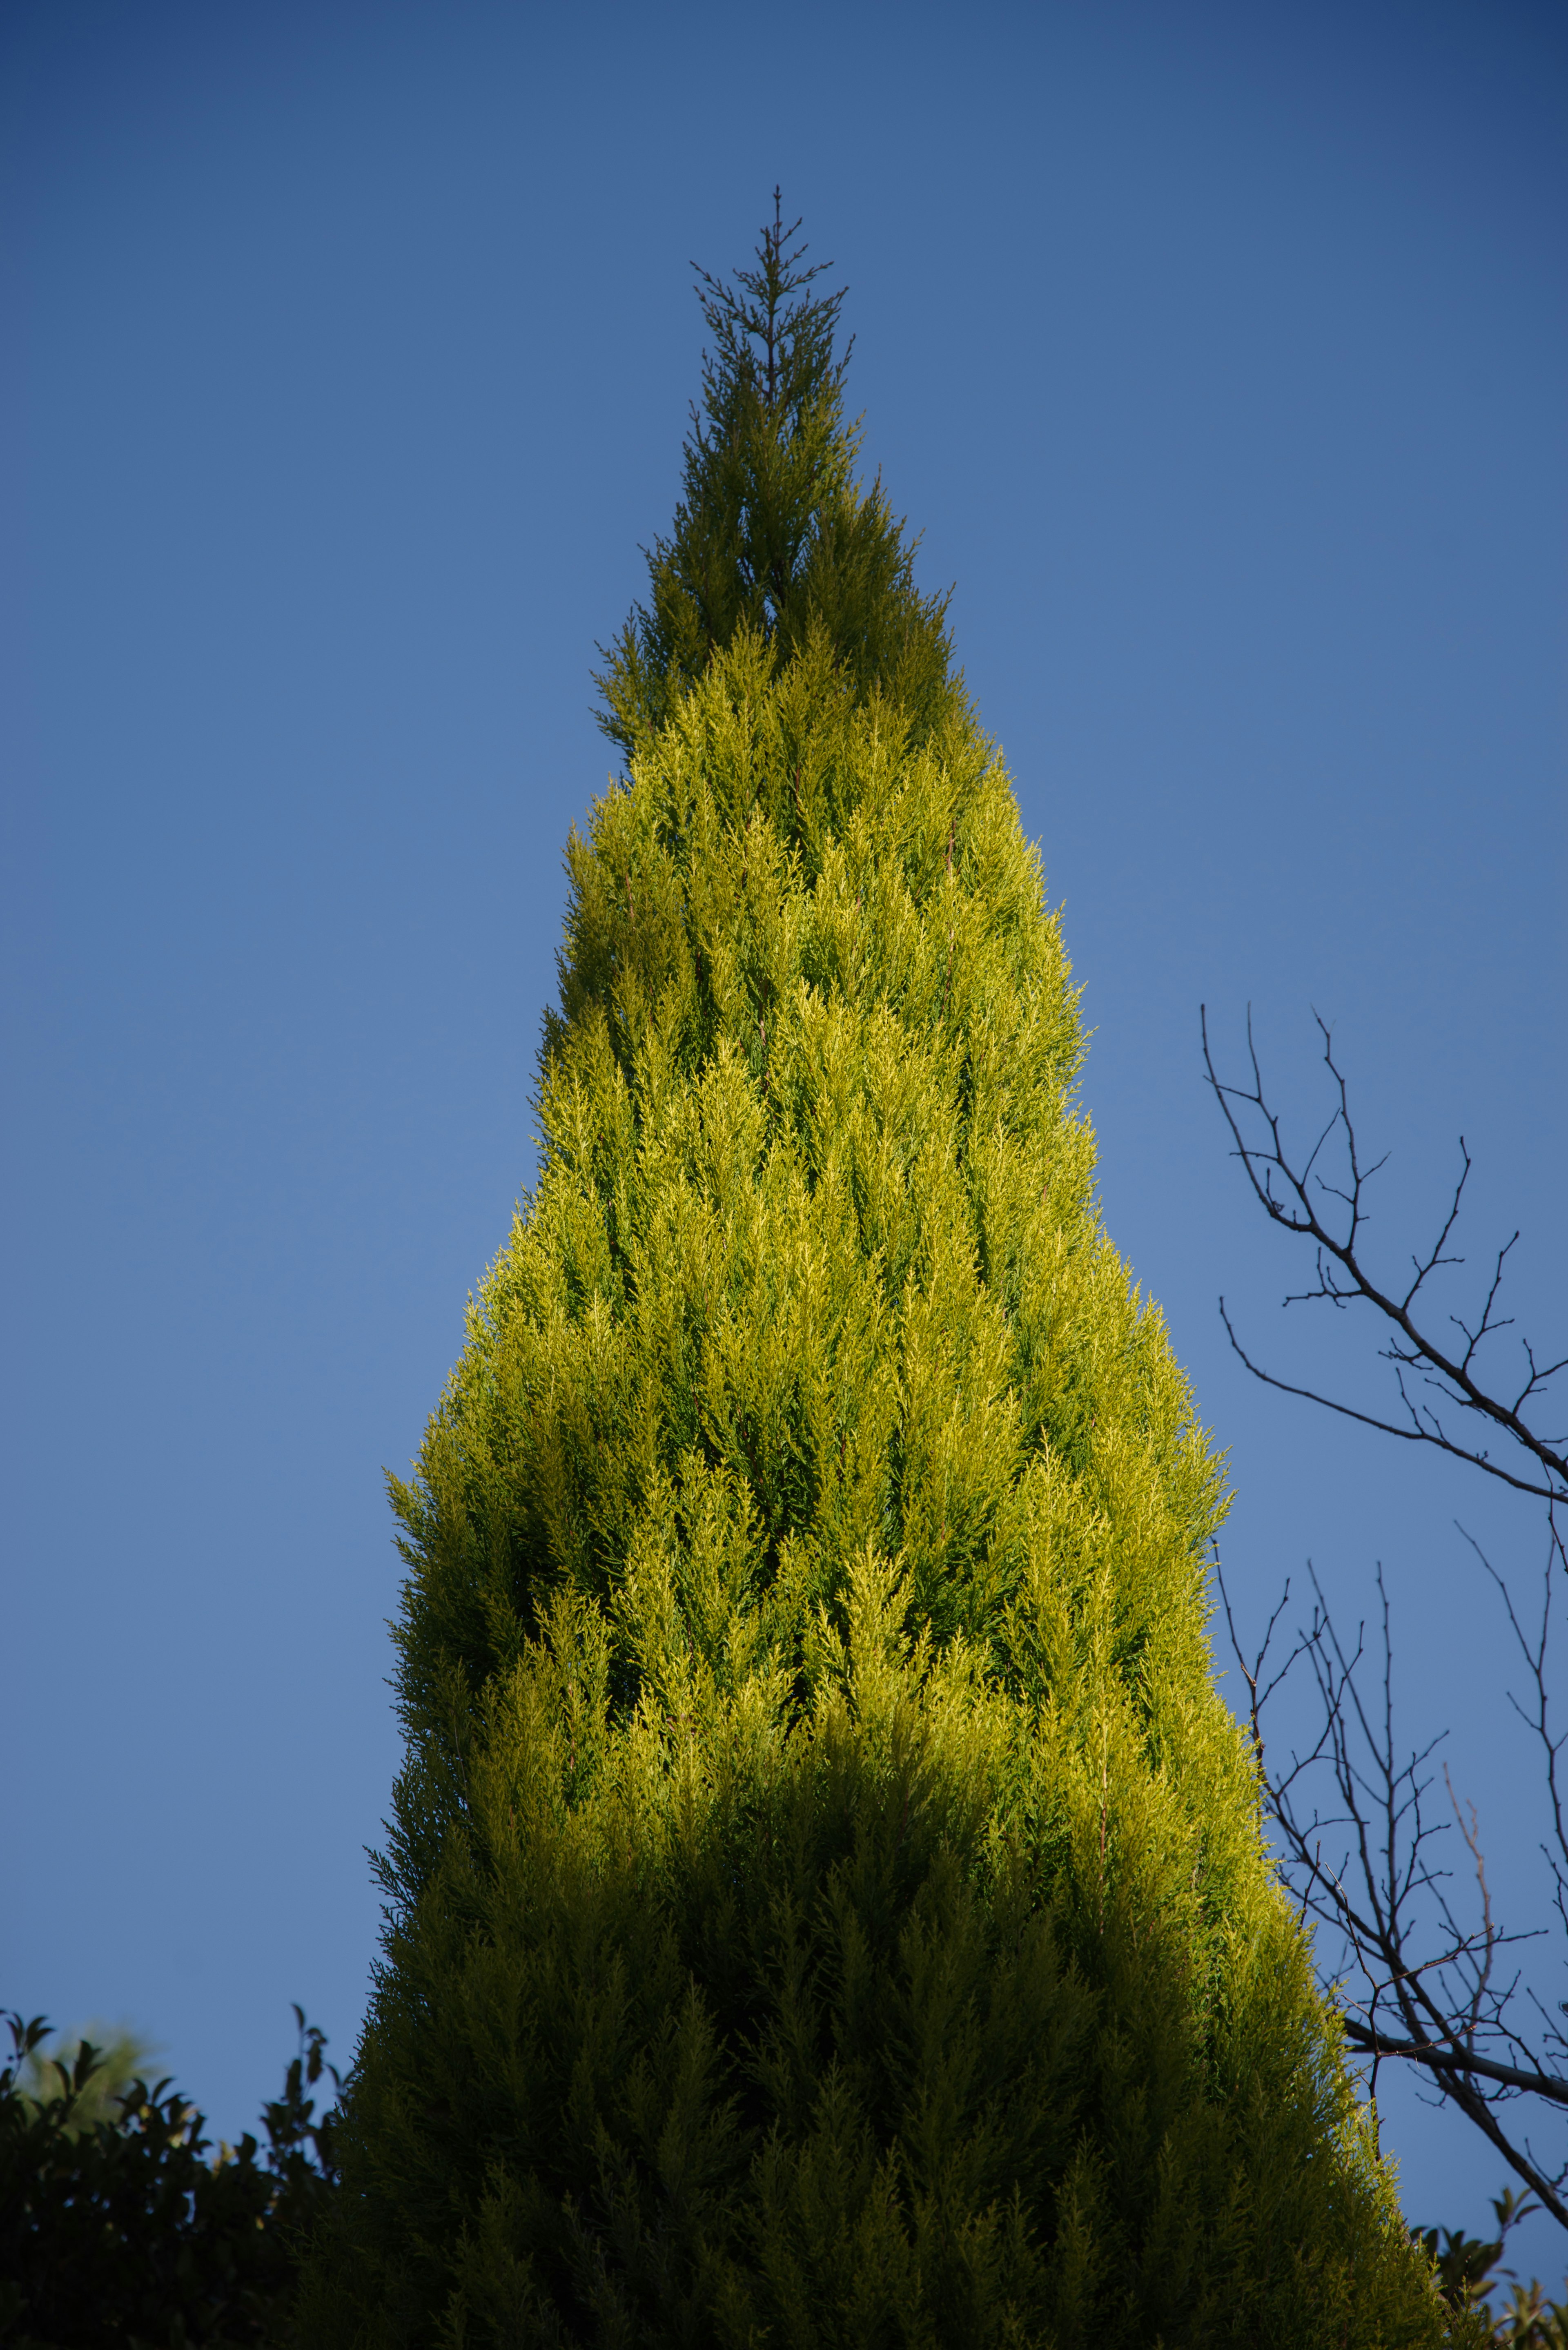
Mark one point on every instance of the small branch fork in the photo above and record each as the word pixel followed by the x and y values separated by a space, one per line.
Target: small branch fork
pixel 1297 1198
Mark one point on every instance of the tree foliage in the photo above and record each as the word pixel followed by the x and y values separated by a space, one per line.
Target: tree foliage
pixel 1469 2268
pixel 828 1901
pixel 119 2227
pixel 774 535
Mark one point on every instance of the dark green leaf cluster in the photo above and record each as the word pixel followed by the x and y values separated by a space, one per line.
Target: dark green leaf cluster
pixel 772 534
pixel 121 2230
pixel 1467 2268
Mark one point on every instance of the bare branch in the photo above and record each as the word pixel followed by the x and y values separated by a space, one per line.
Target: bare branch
pixel 1450 2060
pixel 1284 1190
pixel 1424 1974
pixel 1423 1986
pixel 1417 1434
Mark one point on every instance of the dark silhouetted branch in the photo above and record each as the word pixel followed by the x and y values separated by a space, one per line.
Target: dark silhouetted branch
pixel 1423 1976
pixel 1285 1188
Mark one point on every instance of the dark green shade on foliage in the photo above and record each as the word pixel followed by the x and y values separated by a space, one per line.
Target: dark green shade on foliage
pixel 773 534
pixel 827 1898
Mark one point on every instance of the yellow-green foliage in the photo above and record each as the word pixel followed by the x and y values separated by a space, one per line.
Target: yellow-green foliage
pixel 829 1901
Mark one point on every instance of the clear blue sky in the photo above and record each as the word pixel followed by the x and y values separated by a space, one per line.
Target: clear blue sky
pixel 1219 351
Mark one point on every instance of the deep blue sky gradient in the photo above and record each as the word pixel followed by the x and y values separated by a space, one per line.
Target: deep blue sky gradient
pixel 1219 352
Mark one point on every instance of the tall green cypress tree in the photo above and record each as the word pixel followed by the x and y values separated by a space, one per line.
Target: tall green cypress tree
pixel 828 1897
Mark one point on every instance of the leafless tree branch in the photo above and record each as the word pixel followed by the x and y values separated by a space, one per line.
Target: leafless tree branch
pixel 1285 1188
pixel 1416 1982
pixel 1424 1973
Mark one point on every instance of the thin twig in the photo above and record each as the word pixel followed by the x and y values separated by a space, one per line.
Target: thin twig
pixel 1284 1191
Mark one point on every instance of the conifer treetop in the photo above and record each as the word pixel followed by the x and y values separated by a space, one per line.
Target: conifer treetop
pixel 772 534
pixel 793 342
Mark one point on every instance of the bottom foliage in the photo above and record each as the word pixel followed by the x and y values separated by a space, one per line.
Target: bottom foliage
pixel 1468 2267
pixel 121 2230
pixel 804 2044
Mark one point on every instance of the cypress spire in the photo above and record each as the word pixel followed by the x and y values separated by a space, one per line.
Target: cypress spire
pixel 827 1898
pixel 772 533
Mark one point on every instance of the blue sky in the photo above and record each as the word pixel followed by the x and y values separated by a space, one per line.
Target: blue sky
pixel 1219 352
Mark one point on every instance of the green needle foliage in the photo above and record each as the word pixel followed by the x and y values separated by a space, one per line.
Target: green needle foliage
pixel 828 1897
pixel 773 535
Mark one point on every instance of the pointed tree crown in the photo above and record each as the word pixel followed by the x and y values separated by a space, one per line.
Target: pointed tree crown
pixel 772 533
